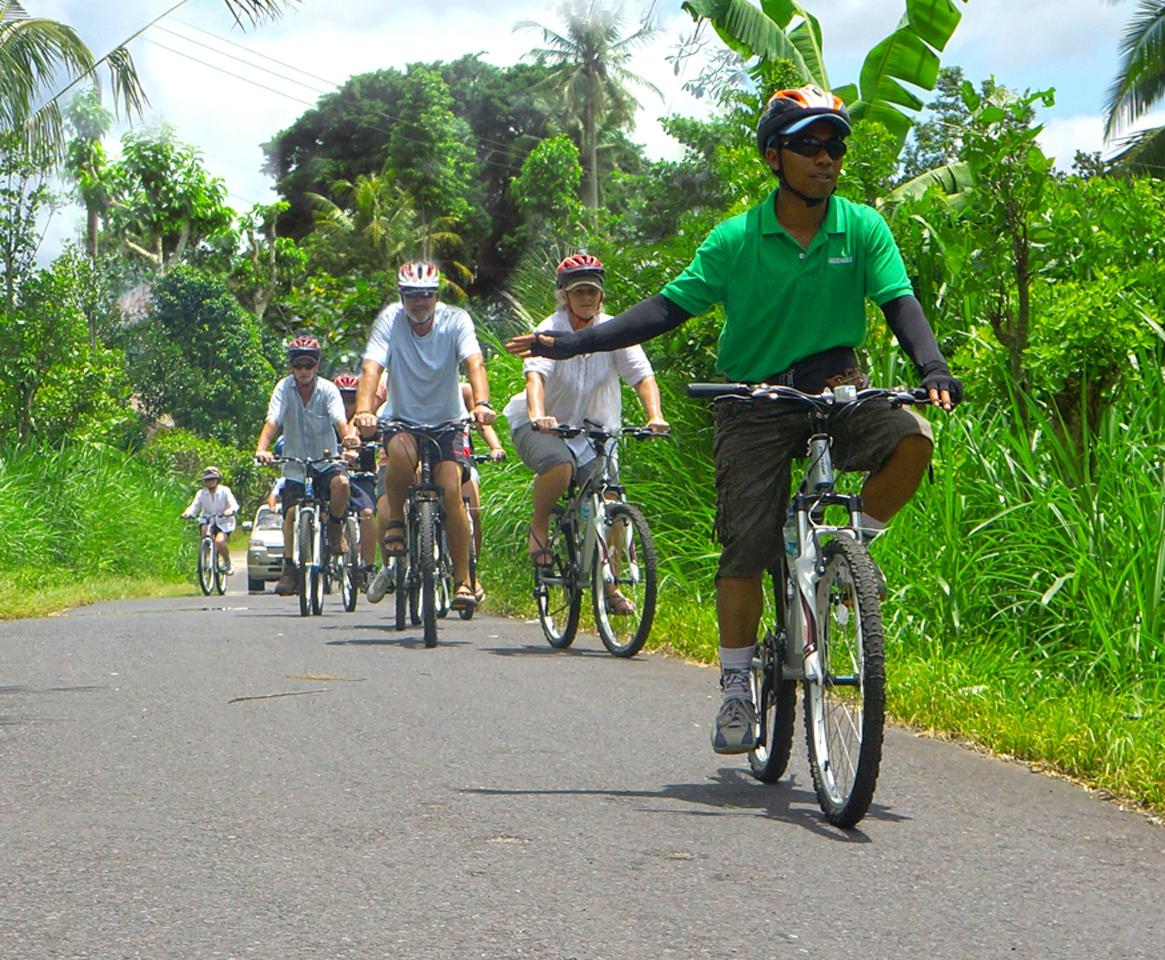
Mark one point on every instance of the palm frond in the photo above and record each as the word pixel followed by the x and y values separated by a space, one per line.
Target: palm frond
pixel 1140 79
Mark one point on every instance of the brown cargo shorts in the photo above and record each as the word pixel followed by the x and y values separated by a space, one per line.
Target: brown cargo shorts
pixel 753 448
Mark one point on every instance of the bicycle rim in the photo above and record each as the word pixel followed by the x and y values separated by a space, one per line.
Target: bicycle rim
pixel 626 562
pixel 845 710
pixel 205 566
pixel 429 544
pixel 556 588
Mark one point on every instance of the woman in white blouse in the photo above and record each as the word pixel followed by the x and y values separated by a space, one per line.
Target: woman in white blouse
pixel 215 506
pixel 585 387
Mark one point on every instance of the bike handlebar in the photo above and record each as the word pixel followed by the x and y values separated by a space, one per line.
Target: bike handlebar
pixel 749 391
pixel 595 432
pixel 388 426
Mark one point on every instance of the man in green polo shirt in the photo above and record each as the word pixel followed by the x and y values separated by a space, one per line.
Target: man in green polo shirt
pixel 793 274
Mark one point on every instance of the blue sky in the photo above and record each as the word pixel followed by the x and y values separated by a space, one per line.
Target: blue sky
pixel 1068 44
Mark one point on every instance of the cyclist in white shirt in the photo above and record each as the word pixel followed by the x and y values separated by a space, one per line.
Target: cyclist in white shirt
pixel 421 342
pixel 585 387
pixel 215 506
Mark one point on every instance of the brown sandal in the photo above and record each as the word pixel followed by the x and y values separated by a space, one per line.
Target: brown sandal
pixel 463 597
pixel 618 605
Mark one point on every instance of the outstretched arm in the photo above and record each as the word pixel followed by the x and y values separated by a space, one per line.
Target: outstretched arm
pixel 647 319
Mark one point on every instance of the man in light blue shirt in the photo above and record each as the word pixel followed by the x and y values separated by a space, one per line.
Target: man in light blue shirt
pixel 422 342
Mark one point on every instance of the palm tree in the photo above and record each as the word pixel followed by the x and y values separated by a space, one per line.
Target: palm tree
pixel 377 222
pixel 1138 86
pixel 588 62
pixel 36 52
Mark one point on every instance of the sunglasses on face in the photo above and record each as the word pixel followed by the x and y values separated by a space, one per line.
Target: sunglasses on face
pixel 811 146
pixel 420 294
pixel 304 365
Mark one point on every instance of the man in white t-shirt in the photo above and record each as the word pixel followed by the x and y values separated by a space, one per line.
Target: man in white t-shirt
pixel 311 413
pixel 586 387
pixel 422 342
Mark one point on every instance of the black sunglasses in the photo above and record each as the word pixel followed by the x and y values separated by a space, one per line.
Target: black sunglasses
pixel 304 365
pixel 419 294
pixel 811 146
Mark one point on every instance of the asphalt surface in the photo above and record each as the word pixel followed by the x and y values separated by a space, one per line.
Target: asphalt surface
pixel 190 778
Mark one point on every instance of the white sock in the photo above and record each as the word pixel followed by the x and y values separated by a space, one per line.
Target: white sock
pixel 735 663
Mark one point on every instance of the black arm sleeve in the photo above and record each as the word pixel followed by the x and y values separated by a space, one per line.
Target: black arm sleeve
pixel 905 318
pixel 647 319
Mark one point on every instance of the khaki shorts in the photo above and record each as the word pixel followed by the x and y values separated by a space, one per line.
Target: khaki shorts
pixel 542 451
pixel 753 449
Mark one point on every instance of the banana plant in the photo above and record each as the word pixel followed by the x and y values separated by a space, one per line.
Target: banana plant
pixel 909 55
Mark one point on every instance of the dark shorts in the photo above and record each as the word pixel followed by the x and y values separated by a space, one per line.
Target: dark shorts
pixel 322 481
pixel 446 445
pixel 363 493
pixel 226 534
pixel 753 449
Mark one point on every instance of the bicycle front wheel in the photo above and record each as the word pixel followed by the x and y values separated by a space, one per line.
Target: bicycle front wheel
pixel 401 590
pixel 350 565
pixel 556 587
pixel 428 543
pixel 623 581
pixel 305 538
pixel 845 708
pixel 206 566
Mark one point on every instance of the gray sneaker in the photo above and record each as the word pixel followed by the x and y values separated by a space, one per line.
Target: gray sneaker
pixel 382 583
pixel 734 730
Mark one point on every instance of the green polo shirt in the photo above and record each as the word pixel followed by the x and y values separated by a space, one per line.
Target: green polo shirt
pixel 783 303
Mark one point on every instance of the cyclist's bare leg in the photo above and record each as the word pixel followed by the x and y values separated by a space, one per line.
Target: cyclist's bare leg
pixel 889 489
pixel 739 604
pixel 548 487
pixel 469 490
pixel 402 471
pixel 338 493
pixel 289 511
pixel 220 544
pixel 368 534
pixel 615 545
pixel 448 475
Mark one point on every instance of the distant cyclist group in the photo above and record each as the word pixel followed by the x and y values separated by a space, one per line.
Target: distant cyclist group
pixel 792 274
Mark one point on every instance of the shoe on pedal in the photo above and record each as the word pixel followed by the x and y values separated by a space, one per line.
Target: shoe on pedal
pixel 382 583
pixel 286 585
pixel 734 729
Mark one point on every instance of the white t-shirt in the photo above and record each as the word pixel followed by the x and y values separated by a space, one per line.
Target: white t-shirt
pixel 585 387
pixel 214 503
pixel 308 428
pixel 424 385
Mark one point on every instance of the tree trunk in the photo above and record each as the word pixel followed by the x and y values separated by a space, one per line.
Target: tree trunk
pixel 591 149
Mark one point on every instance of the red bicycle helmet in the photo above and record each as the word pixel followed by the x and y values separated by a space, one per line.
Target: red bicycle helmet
pixel 790 111
pixel 577 269
pixel 303 347
pixel 346 382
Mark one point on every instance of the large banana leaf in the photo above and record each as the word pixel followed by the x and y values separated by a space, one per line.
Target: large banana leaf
pixel 954 179
pixel 908 55
pixel 763 32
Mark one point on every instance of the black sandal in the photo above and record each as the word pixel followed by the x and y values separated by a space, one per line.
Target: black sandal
pixel 393 544
pixel 542 557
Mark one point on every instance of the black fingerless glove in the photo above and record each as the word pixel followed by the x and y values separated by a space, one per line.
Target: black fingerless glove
pixel 936 376
pixel 563 345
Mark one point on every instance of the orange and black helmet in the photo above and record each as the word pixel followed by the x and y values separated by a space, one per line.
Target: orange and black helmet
pixel 790 111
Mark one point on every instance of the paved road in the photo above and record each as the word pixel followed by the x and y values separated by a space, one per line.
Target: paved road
pixel 493 798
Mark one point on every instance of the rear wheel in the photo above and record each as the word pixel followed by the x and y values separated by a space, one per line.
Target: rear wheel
pixel 430 569
pixel 321 554
pixel 845 709
pixel 625 565
pixel 467 611
pixel 206 565
pixel 775 697
pixel 557 590
pixel 444 579
pixel 256 586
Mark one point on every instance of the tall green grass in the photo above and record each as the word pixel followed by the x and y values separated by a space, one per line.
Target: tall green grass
pixel 1026 608
pixel 86 513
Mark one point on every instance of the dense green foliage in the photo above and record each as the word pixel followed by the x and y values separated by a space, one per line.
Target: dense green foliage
pixel 81 511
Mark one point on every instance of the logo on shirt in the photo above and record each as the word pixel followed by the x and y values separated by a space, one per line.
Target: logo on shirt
pixel 839 261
